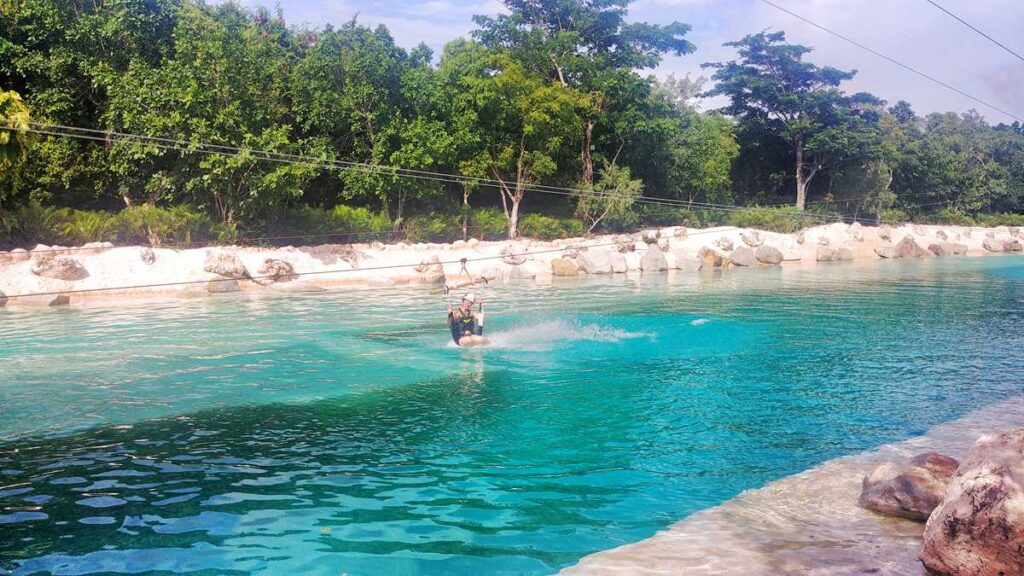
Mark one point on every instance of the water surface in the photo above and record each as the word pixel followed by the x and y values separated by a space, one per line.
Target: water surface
pixel 341 433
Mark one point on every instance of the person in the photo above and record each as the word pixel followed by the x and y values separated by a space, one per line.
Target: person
pixel 467 326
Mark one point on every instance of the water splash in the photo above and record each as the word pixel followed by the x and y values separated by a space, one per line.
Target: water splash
pixel 549 334
pixel 699 322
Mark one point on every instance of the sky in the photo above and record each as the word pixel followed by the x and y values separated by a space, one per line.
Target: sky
pixel 912 31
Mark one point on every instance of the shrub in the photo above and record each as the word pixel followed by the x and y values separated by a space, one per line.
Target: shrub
pixel 548 227
pixel 34 223
pixel 784 219
pixel 339 224
pixel 83 226
pixel 149 224
pixel 433 228
pixel 488 224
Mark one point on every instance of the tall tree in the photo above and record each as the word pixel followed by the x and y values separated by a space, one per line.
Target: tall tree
pixel 773 87
pixel 582 45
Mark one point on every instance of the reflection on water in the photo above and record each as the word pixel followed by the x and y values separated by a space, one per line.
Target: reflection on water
pixel 335 433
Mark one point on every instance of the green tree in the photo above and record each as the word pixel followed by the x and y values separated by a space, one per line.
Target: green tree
pixel 773 87
pixel 610 199
pixel 702 152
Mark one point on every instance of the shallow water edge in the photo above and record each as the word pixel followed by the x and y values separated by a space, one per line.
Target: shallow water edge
pixel 808 523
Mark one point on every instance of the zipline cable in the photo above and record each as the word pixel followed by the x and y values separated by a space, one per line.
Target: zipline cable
pixel 968 24
pixel 892 60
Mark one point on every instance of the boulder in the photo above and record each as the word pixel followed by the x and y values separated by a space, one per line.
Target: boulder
pixel 710 258
pixel 799 237
pixel 920 230
pixel 147 255
pixel 993 245
pixel 276 270
pixel 653 260
pixel 751 238
pixel 724 243
pixel 224 264
pixel 743 256
pixel 20 255
pixel 60 268
pixel 432 270
pixel 887 251
pixel 221 286
pixel 766 254
pixel 1014 231
pixel 947 249
pixel 618 262
pixel 3 299
pixel 857 232
pixel 834 254
pixel 60 300
pixel 978 529
pixel 908 248
pixel 909 488
pixel 512 254
pixel 595 261
pixel 824 241
pixel 941 235
pixel 632 261
pixel 624 244
pixel 564 267
pixel 885 232
pixel 5 258
pixel 686 261
pixel 1013 246
pixel 650 236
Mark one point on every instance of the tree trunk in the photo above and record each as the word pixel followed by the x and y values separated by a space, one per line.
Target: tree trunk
pixel 801 182
pixel 465 213
pixel 513 217
pixel 588 160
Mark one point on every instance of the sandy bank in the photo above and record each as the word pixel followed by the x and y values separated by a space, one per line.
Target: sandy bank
pixel 804 524
pixel 103 271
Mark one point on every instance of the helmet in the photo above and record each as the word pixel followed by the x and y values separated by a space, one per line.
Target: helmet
pixel 471 297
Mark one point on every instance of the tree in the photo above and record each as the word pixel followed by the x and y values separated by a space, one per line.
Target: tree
pixel 524 124
pixel 578 44
pixel 702 152
pixel 14 133
pixel 773 87
pixel 611 198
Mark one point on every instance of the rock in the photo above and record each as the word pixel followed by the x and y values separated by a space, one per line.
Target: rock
pixel 224 264
pixel 1014 231
pixel 650 236
pixel 751 238
pixel 909 488
pixel 432 270
pixel 724 243
pixel 472 242
pixel 991 234
pixel 459 245
pixel 824 241
pixel 20 255
pixel 834 254
pixel 799 237
pixel 947 249
pixel 3 299
pixel 664 244
pixel 887 251
pixel 6 258
pixel 60 268
pixel 512 254
pixel 885 232
pixel 618 262
pixel 681 233
pixel 768 255
pixel 978 529
pixel 687 261
pixel 60 300
pixel 147 255
pixel 564 267
pixel 653 260
pixel 993 245
pixel 276 270
pixel 857 232
pixel 908 248
pixel 41 249
pixel 624 244
pixel 743 256
pixel 920 231
pixel 221 286
pixel 941 235
pixel 595 261
pixel 1013 246
pixel 710 258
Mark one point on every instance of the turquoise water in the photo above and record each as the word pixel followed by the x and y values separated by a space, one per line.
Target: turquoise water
pixel 340 432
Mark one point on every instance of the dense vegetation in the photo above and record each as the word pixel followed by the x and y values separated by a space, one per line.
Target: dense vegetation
pixel 554 96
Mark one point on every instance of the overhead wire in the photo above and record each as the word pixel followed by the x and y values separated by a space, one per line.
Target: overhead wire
pixel 972 27
pixel 892 60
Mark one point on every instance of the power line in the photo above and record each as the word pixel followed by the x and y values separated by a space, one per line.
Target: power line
pixel 965 23
pixel 292 159
pixel 892 60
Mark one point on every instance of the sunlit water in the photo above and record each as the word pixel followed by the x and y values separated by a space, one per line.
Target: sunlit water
pixel 341 433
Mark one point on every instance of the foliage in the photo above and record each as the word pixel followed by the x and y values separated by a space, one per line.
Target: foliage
pixel 487 224
pixel 610 199
pixel 550 227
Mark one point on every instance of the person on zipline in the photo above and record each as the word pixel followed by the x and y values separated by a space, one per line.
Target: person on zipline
pixel 467 326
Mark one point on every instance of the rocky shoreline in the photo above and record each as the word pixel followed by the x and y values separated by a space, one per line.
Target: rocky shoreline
pixel 814 523
pixel 55 275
